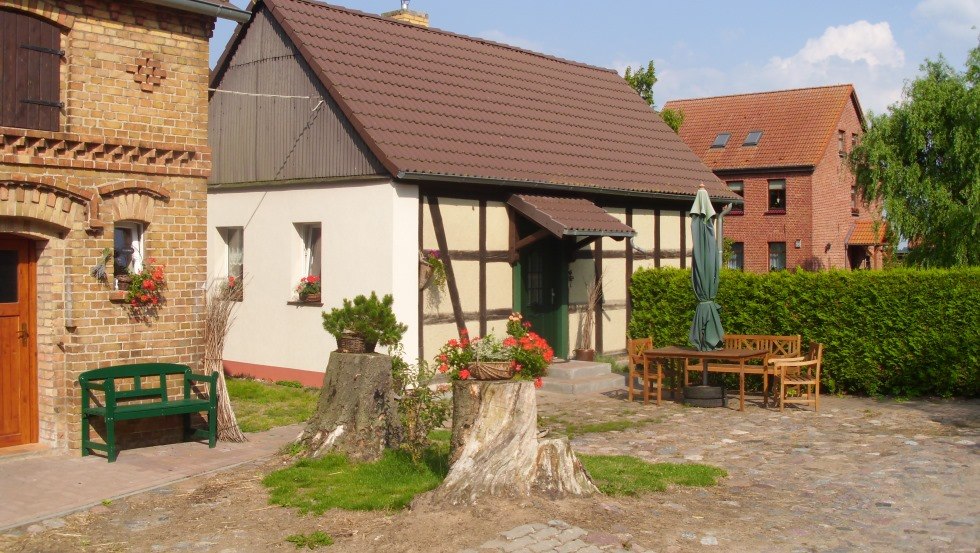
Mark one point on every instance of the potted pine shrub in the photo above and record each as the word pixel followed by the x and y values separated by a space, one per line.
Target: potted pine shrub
pixel 363 323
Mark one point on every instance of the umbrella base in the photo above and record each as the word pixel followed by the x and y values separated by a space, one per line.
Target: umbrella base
pixel 705 396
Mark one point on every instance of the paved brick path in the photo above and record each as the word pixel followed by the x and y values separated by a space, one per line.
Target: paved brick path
pixel 40 487
pixel 557 536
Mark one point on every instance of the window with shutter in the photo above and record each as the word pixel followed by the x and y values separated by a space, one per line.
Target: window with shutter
pixel 30 64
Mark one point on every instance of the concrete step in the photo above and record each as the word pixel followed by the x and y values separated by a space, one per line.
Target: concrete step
pixel 583 385
pixel 572 370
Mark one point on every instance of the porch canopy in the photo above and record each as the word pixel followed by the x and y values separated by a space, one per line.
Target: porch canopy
pixel 576 218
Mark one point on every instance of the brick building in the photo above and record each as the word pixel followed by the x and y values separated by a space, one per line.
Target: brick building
pixel 103 160
pixel 785 153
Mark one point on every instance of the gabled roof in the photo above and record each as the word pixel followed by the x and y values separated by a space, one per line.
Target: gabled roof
pixel 797 126
pixel 569 216
pixel 866 233
pixel 434 105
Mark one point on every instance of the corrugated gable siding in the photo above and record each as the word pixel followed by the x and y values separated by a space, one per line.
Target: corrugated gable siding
pixel 259 139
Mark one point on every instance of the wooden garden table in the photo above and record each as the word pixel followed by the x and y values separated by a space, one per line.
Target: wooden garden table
pixel 728 354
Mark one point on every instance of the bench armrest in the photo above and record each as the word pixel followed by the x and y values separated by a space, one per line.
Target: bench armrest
pixel 86 385
pixel 213 377
pixel 210 379
pixel 779 360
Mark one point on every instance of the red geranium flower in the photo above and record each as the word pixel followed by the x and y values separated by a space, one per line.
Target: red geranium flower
pixel 464 374
pixel 538 383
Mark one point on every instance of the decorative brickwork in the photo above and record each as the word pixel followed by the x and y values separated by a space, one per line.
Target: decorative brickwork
pixel 147 72
pixel 119 155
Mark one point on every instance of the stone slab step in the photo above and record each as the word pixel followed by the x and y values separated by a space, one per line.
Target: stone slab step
pixel 583 385
pixel 572 370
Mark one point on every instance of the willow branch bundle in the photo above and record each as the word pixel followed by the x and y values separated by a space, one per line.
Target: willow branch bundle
pixel 588 324
pixel 218 308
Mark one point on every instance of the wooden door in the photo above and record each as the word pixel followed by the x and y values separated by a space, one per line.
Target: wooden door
pixel 545 291
pixel 18 377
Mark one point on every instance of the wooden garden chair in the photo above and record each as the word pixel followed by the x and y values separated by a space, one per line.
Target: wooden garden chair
pixel 802 374
pixel 639 367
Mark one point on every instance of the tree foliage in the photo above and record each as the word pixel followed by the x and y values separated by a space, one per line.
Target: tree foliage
pixel 921 159
pixel 642 81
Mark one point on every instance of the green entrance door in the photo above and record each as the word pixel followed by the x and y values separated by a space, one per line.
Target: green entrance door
pixel 543 292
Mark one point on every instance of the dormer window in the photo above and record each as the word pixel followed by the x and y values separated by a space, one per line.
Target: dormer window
pixel 753 138
pixel 721 140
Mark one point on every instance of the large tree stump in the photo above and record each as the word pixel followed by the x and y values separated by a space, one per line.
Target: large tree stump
pixel 356 414
pixel 495 449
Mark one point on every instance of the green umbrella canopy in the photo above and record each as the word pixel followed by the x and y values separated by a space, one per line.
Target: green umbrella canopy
pixel 706 330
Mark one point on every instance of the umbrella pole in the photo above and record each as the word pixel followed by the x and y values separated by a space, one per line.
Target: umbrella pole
pixel 704 372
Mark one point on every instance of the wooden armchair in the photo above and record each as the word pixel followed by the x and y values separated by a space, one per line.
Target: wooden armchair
pixel 639 367
pixel 802 373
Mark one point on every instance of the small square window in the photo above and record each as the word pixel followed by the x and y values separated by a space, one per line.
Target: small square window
pixel 738 187
pixel 777 256
pixel 721 140
pixel 840 143
pixel 752 139
pixel 234 239
pixel 737 259
pixel 127 243
pixel 777 196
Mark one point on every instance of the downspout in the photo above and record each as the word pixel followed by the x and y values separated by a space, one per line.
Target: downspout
pixel 720 232
pixel 205 8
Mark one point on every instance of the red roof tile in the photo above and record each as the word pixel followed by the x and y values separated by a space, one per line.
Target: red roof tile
pixel 438 104
pixel 864 233
pixel 569 216
pixel 797 125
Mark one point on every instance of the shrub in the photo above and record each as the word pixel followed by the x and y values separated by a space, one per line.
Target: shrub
pixel 368 317
pixel 898 332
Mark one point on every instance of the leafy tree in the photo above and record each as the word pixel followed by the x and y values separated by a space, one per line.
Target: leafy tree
pixel 922 160
pixel 642 81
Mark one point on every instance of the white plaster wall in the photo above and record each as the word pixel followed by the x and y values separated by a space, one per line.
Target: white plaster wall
pixel 368 244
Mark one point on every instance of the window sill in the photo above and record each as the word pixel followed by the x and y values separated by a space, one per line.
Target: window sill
pixel 855 213
pixel 298 303
pixel 118 296
pixel 775 212
pixel 734 213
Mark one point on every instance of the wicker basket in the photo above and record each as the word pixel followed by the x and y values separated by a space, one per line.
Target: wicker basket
pixel 351 343
pixel 491 370
pixel 425 273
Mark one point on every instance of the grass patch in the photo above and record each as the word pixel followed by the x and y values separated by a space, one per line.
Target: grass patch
pixel 260 406
pixel 617 364
pixel 572 429
pixel 623 475
pixel 311 540
pixel 316 485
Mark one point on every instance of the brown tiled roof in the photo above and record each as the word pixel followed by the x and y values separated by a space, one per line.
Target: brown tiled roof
pixel 864 233
pixel 569 216
pixel 797 125
pixel 433 104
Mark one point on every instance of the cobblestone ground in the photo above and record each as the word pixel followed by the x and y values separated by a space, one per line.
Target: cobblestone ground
pixel 859 475
pixel 557 536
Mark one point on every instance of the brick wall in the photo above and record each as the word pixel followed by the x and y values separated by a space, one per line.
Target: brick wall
pixel 757 226
pixel 132 145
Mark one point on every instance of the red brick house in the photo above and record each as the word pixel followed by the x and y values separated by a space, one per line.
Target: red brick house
pixel 104 162
pixel 784 152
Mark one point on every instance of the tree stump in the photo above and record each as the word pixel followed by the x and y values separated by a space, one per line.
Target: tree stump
pixel 356 414
pixel 495 449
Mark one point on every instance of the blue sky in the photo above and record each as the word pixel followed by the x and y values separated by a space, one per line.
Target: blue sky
pixel 706 48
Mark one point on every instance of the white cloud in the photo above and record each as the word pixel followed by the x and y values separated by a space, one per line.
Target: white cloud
pixel 511 40
pixel 861 53
pixel 960 18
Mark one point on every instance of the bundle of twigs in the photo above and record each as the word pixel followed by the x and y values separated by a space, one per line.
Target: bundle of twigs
pixel 594 291
pixel 218 308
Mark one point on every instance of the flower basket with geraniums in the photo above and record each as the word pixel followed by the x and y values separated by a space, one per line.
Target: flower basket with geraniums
pixel 146 286
pixel 522 355
pixel 433 270
pixel 309 289
pixel 369 319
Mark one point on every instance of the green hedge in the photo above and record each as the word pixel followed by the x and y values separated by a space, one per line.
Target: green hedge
pixel 896 332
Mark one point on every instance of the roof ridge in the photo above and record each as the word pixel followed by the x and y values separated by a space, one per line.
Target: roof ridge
pixel 318 4
pixel 762 93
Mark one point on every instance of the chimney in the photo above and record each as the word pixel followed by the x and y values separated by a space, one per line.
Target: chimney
pixel 406 15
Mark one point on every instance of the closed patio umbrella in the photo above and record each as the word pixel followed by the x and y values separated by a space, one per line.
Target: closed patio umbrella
pixel 706 331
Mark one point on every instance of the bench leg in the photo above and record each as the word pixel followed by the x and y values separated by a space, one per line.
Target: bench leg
pixel 188 431
pixel 110 439
pixel 212 427
pixel 85 436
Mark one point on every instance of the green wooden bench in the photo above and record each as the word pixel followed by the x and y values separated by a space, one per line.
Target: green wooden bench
pixel 112 411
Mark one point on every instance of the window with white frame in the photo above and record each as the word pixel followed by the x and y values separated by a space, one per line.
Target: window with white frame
pixel 127 246
pixel 310 234
pixel 234 240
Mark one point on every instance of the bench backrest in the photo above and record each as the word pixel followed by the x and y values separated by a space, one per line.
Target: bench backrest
pixel 136 372
pixel 777 346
